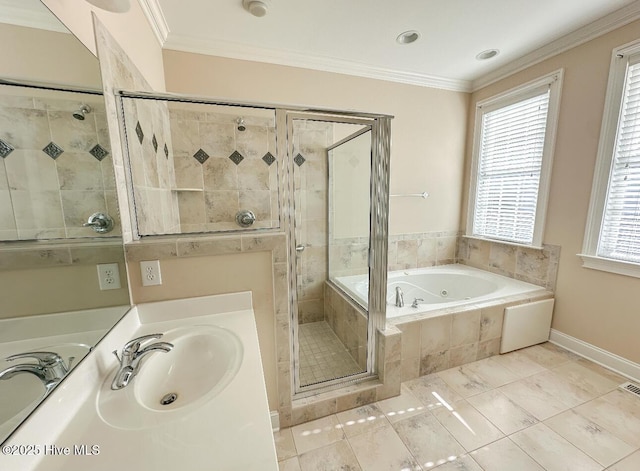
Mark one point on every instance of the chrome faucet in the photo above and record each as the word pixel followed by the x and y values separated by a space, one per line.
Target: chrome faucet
pixel 415 302
pixel 50 368
pixel 131 357
pixel 399 297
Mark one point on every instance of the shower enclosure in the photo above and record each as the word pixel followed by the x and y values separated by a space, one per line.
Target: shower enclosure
pixel 200 166
pixel 338 166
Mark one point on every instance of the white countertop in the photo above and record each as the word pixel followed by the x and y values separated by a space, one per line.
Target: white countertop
pixel 232 431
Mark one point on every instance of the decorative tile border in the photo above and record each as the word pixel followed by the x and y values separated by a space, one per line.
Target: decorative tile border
pixel 57 255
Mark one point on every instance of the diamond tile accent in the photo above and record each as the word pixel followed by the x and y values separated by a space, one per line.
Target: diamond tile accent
pixel 53 150
pixel 154 141
pixel 236 157
pixel 166 151
pixel 139 132
pixel 201 156
pixel 299 160
pixel 269 158
pixel 99 152
pixel 5 148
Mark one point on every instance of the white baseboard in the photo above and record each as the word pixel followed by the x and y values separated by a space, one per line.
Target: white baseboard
pixel 275 420
pixel 596 354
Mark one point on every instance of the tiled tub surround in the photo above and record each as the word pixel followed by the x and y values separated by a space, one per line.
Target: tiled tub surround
pixel 422 250
pixel 537 266
pixel 55 170
pixel 536 409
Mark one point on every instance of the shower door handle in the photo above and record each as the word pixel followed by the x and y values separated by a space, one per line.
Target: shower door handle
pixel 300 248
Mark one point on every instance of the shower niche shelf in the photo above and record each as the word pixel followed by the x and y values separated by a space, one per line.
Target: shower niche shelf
pixel 187 189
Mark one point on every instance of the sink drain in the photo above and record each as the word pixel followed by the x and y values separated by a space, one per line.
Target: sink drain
pixel 168 399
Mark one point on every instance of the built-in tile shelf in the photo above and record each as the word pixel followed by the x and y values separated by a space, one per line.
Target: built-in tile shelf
pixel 187 189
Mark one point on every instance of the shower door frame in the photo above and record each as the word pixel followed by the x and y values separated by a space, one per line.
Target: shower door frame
pixel 378 234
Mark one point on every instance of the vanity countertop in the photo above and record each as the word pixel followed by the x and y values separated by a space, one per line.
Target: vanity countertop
pixel 231 431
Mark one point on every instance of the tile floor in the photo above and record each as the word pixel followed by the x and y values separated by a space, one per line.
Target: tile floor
pixel 540 408
pixel 322 355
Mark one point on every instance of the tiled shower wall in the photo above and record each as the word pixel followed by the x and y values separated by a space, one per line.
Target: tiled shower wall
pixel 221 170
pixel 311 139
pixel 55 170
pixel 152 167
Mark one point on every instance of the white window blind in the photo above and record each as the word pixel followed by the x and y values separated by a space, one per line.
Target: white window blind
pixel 620 231
pixel 510 162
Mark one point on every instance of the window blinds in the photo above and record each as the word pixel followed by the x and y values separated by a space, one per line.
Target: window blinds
pixel 509 168
pixel 620 232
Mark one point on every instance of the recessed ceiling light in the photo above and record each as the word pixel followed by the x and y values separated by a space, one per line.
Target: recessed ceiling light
pixel 257 8
pixel 488 54
pixel 408 37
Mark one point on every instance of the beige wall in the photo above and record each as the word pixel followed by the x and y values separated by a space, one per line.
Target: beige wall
pixel 596 307
pixel 37 55
pixel 427 132
pixel 131 30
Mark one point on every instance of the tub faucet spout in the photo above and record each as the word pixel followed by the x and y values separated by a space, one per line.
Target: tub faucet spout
pixel 399 297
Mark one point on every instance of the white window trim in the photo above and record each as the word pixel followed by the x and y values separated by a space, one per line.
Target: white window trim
pixel 608 132
pixel 554 81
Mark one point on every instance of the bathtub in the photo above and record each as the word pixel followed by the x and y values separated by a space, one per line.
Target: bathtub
pixel 440 289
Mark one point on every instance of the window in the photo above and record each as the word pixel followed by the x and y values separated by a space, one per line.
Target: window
pixel 514 140
pixel 612 237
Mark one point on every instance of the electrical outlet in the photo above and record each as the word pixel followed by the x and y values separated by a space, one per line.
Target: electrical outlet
pixel 108 276
pixel 150 272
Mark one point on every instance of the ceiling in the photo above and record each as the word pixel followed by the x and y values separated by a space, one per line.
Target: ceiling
pixel 358 37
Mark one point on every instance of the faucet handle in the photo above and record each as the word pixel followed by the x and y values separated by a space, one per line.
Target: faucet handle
pixel 132 346
pixel 415 302
pixel 44 358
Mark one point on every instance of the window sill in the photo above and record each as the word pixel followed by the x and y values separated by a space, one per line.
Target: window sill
pixel 504 242
pixel 612 266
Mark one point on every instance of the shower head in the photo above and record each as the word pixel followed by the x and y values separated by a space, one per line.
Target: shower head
pixel 80 114
pixel 241 126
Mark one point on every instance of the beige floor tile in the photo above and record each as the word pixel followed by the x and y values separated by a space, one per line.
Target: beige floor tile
pixel 492 372
pixel 630 463
pixel 548 355
pixel 292 464
pixel 587 379
pixel 615 377
pixel 468 426
pixel 504 455
pixel 337 456
pixel 461 463
pixel 535 399
pixel 317 433
pixel 518 364
pixel 382 450
pixel 432 391
pixel 285 447
pixel 502 411
pixel 401 407
pixel 592 439
pixel 552 451
pixel 362 419
pixel 464 381
pixel 618 412
pixel 428 440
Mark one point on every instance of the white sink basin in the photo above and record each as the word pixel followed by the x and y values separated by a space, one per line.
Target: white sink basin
pixel 203 361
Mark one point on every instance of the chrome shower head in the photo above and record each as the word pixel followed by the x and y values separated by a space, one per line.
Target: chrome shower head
pixel 80 114
pixel 241 126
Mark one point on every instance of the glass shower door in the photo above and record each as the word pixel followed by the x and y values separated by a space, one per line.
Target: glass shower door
pixel 331 192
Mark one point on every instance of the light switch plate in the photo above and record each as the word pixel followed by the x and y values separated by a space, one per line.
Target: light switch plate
pixel 108 276
pixel 150 272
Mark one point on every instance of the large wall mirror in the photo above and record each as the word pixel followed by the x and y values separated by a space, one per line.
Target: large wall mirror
pixel 62 275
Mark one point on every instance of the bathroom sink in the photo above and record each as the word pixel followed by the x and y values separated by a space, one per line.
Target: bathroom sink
pixel 203 361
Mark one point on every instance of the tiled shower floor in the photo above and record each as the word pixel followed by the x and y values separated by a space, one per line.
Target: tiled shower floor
pixel 322 354
pixel 536 409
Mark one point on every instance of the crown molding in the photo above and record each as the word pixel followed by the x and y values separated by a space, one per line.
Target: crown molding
pixel 155 17
pixel 233 50
pixel 31 18
pixel 580 36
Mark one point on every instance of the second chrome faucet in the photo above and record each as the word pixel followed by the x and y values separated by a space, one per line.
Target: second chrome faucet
pixel 131 356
